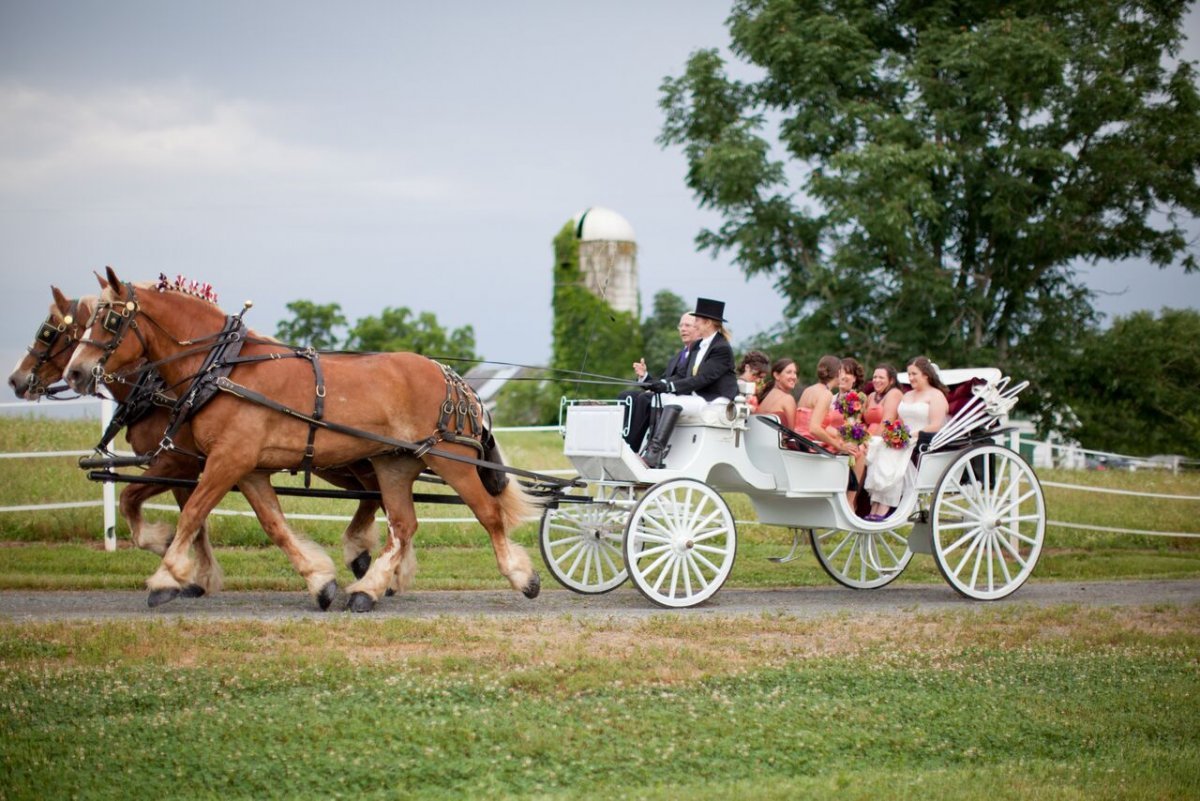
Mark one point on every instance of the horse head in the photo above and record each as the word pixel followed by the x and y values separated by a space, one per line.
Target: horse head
pixel 135 324
pixel 52 347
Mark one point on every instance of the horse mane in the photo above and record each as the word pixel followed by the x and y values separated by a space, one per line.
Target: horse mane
pixel 198 289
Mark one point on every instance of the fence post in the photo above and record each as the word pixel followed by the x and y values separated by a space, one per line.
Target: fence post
pixel 107 407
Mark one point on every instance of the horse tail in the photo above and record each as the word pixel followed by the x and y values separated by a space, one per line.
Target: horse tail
pixel 516 505
pixel 494 481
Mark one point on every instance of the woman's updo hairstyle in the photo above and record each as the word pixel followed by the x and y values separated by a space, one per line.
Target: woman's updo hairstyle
pixel 827 368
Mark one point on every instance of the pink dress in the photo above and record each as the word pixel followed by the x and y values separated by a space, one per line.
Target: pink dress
pixel 804 422
pixel 873 417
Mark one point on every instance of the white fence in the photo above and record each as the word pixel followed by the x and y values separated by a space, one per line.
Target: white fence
pixel 1074 457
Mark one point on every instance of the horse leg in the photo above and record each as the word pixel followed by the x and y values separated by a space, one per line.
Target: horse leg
pixel 207 578
pixel 499 515
pixel 175 570
pixel 395 475
pixel 153 537
pixel 360 538
pixel 309 559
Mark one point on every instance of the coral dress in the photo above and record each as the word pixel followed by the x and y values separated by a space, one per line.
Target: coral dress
pixel 873 417
pixel 804 423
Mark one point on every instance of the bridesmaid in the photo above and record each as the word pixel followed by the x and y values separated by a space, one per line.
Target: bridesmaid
pixel 884 401
pixel 814 409
pixel 776 395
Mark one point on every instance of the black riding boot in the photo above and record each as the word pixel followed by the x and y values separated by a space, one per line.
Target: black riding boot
pixel 657 447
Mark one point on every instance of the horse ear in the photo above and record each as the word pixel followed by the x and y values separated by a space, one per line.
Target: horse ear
pixel 113 281
pixel 60 300
pixel 100 278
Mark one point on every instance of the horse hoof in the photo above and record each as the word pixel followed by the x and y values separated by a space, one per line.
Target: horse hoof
pixel 325 596
pixel 360 564
pixel 160 597
pixel 533 587
pixel 360 602
pixel 191 591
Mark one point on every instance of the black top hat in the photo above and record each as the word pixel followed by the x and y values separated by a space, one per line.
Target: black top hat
pixel 712 309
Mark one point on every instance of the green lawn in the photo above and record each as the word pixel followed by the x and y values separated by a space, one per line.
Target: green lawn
pixel 1016 704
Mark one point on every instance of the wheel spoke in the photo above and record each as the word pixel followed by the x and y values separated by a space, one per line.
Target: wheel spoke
pixel 958 542
pixel 840 545
pixel 978 560
pixel 999 545
pixel 657 563
pixel 699 557
pixel 713 549
pixel 691 564
pixel 1016 503
pixel 668 558
pixel 966 556
pixel 612 566
pixel 1016 555
pixel 851 553
pixel 1012 532
pixel 674 575
pixel 570 571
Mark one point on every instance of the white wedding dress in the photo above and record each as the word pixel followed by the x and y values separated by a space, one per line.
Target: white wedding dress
pixel 890 470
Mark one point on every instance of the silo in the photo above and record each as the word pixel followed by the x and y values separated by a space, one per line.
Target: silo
pixel 608 258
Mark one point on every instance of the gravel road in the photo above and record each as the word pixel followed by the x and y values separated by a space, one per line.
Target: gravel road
pixel 805 602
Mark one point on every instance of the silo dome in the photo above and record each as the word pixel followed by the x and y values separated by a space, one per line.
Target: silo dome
pixel 599 224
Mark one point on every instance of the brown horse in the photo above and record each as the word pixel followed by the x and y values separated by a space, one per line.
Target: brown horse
pixel 44 365
pixel 374 400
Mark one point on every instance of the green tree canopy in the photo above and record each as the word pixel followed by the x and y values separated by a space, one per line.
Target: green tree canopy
pixel 312 325
pixel 1134 391
pixel 660 330
pixel 395 329
pixel 922 177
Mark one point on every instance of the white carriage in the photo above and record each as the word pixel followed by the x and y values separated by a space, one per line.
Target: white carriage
pixel 975 505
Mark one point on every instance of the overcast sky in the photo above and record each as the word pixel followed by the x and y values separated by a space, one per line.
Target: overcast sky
pixel 370 154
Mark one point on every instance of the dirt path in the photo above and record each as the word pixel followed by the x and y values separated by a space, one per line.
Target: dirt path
pixel 805 602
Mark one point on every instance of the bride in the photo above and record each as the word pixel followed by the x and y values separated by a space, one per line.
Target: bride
pixel 923 409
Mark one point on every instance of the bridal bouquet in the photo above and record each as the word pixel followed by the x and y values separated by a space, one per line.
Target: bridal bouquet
pixel 895 434
pixel 855 431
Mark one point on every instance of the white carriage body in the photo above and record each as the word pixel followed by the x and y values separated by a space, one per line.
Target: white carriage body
pixel 726 449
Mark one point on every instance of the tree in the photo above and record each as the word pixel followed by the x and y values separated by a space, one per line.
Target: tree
pixel 313 325
pixel 589 336
pixel 396 330
pixel 923 177
pixel 660 331
pixel 1132 389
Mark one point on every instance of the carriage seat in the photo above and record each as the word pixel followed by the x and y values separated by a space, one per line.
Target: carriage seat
pixel 723 414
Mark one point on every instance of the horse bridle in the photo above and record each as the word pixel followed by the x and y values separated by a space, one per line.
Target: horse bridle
pixel 50 333
pixel 119 317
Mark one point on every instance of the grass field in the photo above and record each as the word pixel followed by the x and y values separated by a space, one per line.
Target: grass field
pixel 990 702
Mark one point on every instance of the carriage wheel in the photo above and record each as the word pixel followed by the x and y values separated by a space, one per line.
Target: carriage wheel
pixel 863 560
pixel 581 543
pixel 989 519
pixel 680 543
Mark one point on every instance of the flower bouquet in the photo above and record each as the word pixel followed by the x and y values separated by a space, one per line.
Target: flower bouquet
pixel 850 404
pixel 855 431
pixel 895 434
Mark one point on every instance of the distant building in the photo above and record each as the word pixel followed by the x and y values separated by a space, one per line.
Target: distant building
pixel 608 257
